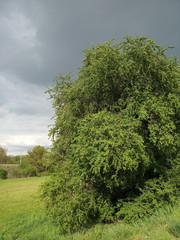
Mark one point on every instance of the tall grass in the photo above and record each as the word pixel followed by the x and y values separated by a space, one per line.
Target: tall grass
pixel 22 218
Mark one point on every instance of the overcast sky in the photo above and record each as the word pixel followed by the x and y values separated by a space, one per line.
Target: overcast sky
pixel 41 38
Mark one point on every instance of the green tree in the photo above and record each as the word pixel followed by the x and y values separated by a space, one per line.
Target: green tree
pixel 3 155
pixel 35 157
pixel 116 127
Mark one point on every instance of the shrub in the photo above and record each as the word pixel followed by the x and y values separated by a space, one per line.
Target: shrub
pixel 71 203
pixel 23 171
pixel 156 194
pixel 3 173
pixel 115 136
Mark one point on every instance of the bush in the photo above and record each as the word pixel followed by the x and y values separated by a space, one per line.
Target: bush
pixel 116 135
pixel 23 171
pixel 3 173
pixel 70 203
pixel 156 194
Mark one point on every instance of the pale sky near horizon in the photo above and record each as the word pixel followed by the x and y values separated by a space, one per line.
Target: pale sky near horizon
pixel 41 38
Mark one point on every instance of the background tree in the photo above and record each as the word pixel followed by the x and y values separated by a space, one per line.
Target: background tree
pixel 3 155
pixel 15 159
pixel 35 157
pixel 115 135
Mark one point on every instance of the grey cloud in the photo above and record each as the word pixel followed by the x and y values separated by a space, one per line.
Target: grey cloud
pixel 63 29
pixel 24 99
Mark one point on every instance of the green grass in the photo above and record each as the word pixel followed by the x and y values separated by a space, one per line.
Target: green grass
pixel 22 218
pixel 18 200
pixel 19 196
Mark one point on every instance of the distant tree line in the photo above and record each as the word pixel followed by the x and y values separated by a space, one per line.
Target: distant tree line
pixel 34 163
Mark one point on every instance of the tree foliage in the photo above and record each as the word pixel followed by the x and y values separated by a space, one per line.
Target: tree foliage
pixel 116 127
pixel 3 173
pixel 35 157
pixel 3 155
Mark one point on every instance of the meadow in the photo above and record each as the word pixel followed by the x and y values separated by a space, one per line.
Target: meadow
pixel 22 217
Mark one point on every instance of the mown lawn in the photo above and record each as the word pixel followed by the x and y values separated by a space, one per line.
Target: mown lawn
pixel 19 196
pixel 22 218
pixel 19 199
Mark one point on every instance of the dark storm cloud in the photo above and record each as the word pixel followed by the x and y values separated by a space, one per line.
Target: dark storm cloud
pixel 60 30
pixel 41 38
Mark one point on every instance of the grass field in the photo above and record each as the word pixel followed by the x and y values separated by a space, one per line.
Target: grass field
pixel 22 218
pixel 18 196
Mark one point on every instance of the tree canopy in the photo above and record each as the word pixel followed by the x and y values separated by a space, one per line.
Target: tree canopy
pixel 35 157
pixel 115 133
pixel 3 155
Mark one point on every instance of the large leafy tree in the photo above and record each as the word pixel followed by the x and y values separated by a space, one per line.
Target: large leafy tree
pixel 116 127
